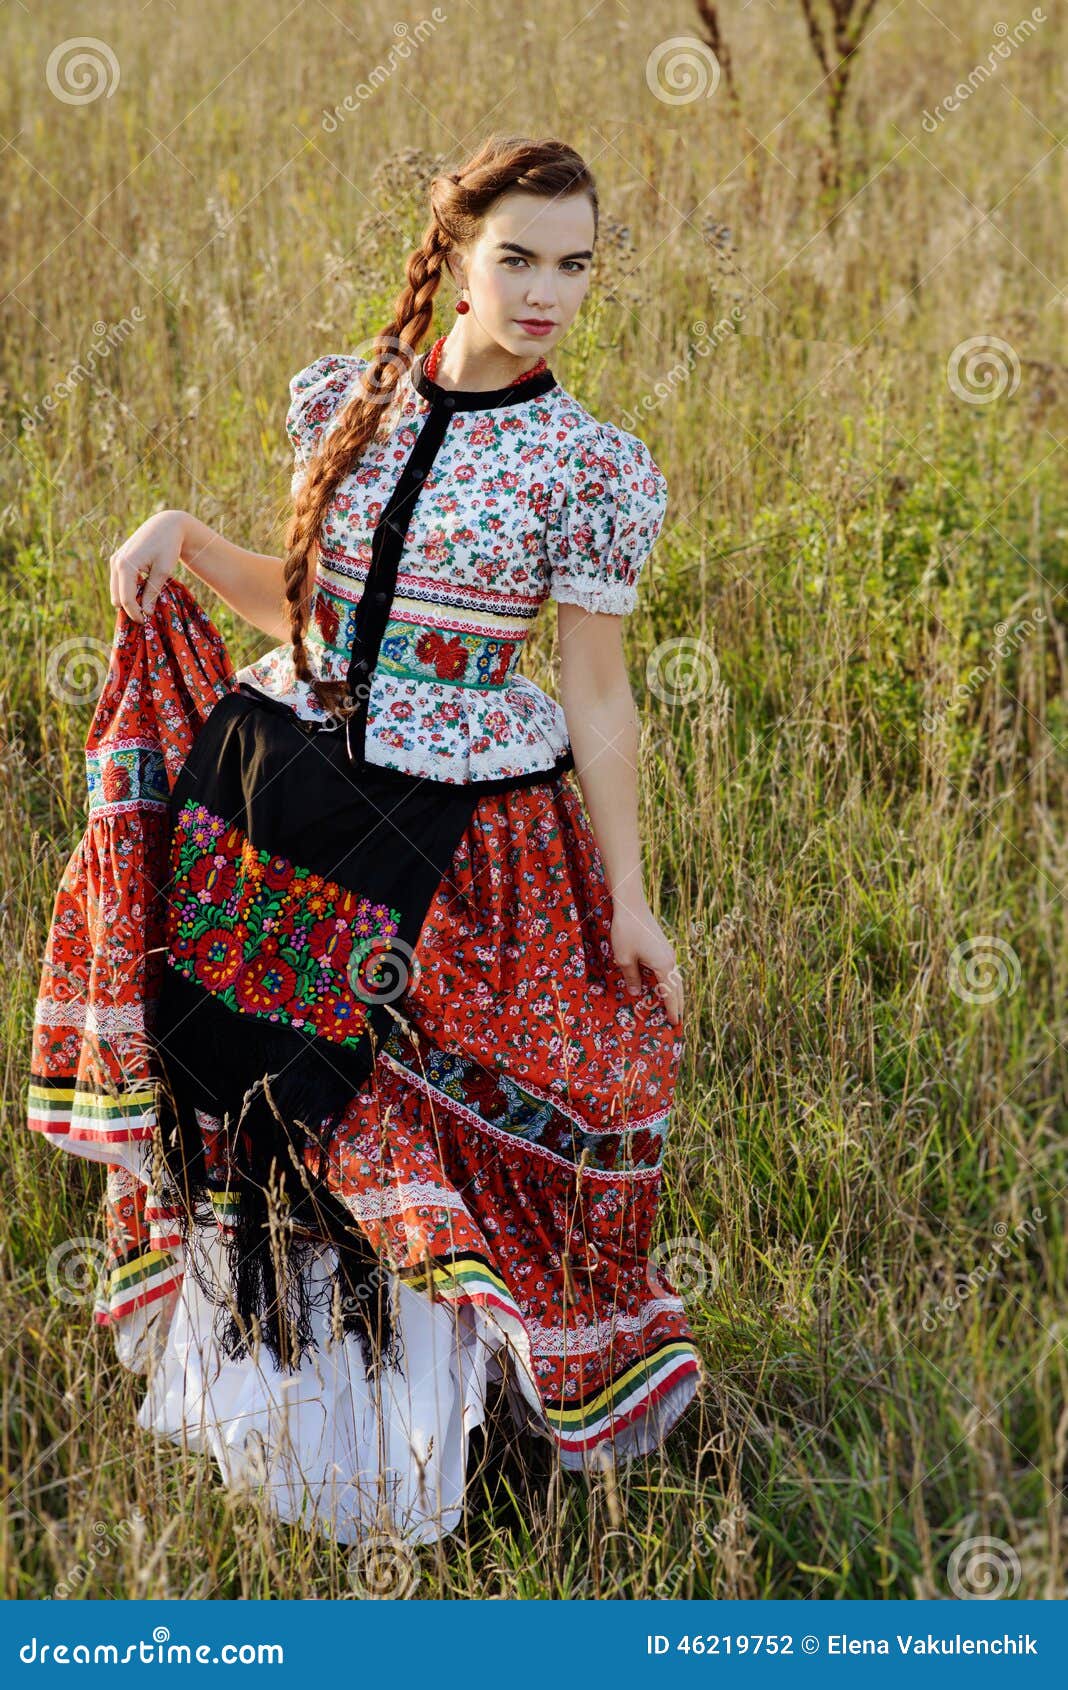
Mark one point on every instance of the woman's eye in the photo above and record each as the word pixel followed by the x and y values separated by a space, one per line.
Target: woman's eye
pixel 571 264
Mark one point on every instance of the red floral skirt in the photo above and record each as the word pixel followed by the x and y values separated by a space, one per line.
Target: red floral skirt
pixel 505 1154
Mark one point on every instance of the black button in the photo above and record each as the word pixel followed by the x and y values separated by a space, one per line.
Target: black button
pixel 418 474
pixel 381 596
pixel 449 402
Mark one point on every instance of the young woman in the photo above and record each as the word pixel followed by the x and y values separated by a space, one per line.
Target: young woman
pixel 457 1170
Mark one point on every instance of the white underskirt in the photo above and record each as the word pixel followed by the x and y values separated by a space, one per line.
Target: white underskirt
pixel 321 1446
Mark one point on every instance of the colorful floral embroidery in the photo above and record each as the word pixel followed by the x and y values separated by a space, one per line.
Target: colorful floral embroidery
pixel 267 937
pixel 430 653
pixel 126 773
pixel 532 501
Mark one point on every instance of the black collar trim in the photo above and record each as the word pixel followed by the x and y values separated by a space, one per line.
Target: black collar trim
pixel 467 399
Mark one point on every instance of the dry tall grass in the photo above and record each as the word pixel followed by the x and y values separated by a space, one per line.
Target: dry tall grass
pixel 853 776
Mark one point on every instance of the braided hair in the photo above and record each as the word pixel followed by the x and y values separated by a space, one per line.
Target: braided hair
pixel 458 204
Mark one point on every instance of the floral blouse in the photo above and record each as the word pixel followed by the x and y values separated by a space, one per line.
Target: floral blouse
pixel 519 495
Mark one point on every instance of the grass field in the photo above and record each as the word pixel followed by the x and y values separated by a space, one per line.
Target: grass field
pixel 850 662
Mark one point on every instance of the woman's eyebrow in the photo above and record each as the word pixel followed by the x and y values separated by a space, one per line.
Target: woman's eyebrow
pixel 525 252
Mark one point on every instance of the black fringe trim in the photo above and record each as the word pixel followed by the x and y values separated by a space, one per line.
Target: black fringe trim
pixel 285 1210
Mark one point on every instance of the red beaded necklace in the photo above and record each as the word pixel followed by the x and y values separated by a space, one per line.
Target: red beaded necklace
pixel 430 364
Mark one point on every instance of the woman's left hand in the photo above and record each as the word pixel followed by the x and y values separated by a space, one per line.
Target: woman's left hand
pixel 638 938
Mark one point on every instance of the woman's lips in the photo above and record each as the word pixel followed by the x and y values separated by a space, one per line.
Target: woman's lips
pixel 532 326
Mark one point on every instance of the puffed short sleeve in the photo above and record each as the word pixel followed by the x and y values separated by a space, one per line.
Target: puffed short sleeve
pixel 315 394
pixel 604 519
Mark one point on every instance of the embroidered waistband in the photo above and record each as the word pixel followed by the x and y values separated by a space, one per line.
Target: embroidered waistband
pixel 437 654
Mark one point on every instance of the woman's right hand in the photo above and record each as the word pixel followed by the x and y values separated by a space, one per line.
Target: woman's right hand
pixel 152 553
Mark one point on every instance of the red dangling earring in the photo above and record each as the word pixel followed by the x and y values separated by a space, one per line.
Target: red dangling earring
pixel 462 305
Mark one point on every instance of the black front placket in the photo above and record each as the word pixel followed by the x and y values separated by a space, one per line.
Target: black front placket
pixel 387 545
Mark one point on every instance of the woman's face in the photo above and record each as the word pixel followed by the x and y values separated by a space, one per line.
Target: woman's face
pixel 531 262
